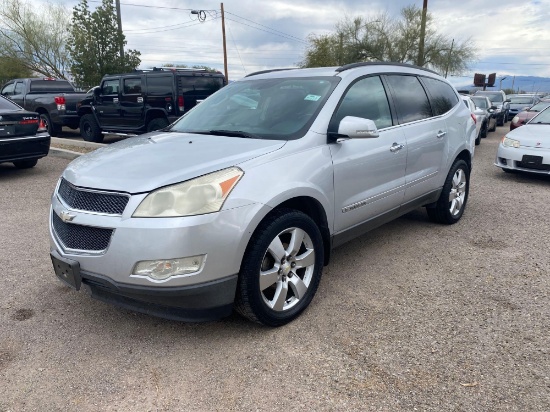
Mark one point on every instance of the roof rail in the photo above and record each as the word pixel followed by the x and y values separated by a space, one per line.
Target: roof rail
pixel 361 64
pixel 177 69
pixel 271 70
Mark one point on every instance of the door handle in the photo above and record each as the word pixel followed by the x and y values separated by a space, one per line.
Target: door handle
pixel 440 134
pixel 396 147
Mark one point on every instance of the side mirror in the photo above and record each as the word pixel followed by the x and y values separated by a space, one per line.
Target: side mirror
pixel 526 108
pixel 357 128
pixel 507 101
pixel 479 112
pixel 97 91
pixel 493 108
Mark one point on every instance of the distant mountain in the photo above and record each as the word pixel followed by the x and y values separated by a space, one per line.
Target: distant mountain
pixel 526 84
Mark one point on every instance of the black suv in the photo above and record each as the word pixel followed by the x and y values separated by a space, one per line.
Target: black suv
pixel 144 100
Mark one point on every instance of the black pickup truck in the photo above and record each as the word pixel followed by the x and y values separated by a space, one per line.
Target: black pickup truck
pixel 144 100
pixel 54 99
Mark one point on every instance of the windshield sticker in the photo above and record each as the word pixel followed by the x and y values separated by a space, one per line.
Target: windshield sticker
pixel 312 97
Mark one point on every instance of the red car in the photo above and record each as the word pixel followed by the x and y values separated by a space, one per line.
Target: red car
pixel 522 117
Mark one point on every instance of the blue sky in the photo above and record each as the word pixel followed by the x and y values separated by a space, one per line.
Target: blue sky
pixel 512 38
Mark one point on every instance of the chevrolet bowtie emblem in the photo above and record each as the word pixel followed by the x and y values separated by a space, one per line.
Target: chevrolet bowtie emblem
pixel 66 216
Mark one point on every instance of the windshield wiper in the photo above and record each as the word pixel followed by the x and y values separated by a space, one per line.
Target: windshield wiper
pixel 233 133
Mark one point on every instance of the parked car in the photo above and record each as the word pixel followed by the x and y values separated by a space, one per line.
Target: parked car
pixel 478 116
pixel 239 202
pixel 527 148
pixel 490 122
pixel 54 99
pixel 524 116
pixel 23 135
pixel 520 103
pixel 500 101
pixel 143 101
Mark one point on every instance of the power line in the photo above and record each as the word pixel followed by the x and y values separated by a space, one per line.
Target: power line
pixel 143 5
pixel 275 30
pixel 257 28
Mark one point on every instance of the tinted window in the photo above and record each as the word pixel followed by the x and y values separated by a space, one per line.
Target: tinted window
pixel 521 100
pixel 410 98
pixel 160 85
pixel 51 86
pixel 200 84
pixel 442 96
pixel 494 97
pixel 5 104
pixel 367 99
pixel 109 87
pixel 132 86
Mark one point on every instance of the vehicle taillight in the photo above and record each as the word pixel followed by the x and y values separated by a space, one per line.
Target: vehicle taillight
pixel 42 126
pixel 28 121
pixel 60 102
pixel 181 106
pixel 473 117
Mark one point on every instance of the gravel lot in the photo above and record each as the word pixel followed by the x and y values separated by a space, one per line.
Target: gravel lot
pixel 413 316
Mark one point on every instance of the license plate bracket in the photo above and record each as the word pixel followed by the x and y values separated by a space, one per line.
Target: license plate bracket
pixel 531 160
pixel 68 271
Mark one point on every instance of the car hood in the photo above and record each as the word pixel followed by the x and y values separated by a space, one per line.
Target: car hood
pixel 532 135
pixel 143 163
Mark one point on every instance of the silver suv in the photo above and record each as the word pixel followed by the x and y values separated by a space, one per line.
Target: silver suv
pixel 239 203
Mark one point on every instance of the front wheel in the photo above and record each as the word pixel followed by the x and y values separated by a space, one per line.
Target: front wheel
pixel 281 269
pixel 450 206
pixel 89 129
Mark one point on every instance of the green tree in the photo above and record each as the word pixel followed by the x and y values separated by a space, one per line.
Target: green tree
pixel 33 39
pixel 383 38
pixel 94 44
pixel 12 69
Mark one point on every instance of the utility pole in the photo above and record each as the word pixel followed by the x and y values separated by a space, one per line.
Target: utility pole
pixel 119 22
pixel 420 60
pixel 224 46
pixel 449 58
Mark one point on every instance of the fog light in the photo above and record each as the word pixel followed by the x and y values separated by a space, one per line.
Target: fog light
pixel 164 269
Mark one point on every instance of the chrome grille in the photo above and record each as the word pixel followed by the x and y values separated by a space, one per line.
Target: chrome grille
pixel 92 201
pixel 79 237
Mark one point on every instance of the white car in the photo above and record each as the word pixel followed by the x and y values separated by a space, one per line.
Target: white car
pixel 477 115
pixel 527 148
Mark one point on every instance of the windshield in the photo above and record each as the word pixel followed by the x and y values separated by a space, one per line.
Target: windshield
pixel 279 109
pixel 539 106
pixel 541 118
pixel 521 100
pixel 497 97
pixel 480 102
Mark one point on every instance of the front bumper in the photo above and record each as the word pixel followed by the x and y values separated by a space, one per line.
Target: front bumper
pixel 512 158
pixel 209 293
pixel 24 147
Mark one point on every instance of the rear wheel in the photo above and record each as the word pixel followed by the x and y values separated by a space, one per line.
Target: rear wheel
pixel 25 164
pixel 89 129
pixel 478 138
pixel 156 124
pixel 281 269
pixel 53 130
pixel 494 126
pixel 454 196
pixel 484 129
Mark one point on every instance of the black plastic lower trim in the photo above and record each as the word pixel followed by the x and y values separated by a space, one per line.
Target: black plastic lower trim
pixel 196 303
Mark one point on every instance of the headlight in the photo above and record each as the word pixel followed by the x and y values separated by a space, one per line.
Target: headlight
pixel 507 142
pixel 205 194
pixel 515 119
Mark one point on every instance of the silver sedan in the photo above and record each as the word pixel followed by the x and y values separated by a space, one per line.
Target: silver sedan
pixel 527 148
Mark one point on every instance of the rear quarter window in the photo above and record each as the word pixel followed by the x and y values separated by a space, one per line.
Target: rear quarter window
pixel 160 85
pixel 442 96
pixel 5 104
pixel 410 98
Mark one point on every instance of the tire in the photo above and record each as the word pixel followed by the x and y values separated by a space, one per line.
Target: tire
pixel 500 122
pixel 291 275
pixel 156 124
pixel 478 138
pixel 456 186
pixel 53 130
pixel 484 129
pixel 494 127
pixel 89 129
pixel 25 164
